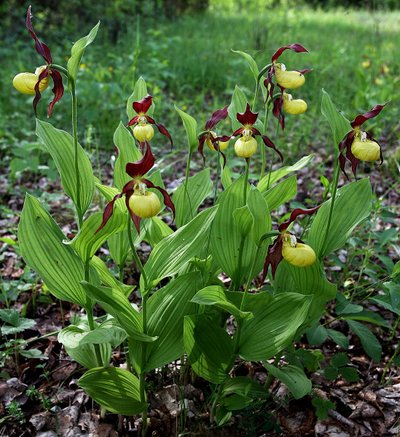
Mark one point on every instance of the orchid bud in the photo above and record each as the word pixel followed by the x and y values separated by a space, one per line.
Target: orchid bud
pixel 288 79
pixel 364 149
pixel 25 82
pixel 144 205
pixel 293 106
pixel 143 132
pixel 297 254
pixel 245 146
pixel 221 144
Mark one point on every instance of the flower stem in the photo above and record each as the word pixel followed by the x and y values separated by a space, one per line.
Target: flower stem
pixel 333 198
pixel 217 177
pixel 187 172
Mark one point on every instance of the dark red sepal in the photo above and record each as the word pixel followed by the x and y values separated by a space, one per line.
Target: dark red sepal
pixel 162 129
pixel 108 211
pixel 277 111
pixel 167 199
pixel 142 106
pixel 200 147
pixel 361 119
pixel 295 213
pixel 268 142
pixel 134 120
pixel 216 117
pixel 274 257
pixel 345 147
pixel 38 95
pixel 57 90
pixel 305 70
pixel 40 46
pixel 141 167
pixel 295 47
pixel 269 82
pixel 235 134
pixel 247 117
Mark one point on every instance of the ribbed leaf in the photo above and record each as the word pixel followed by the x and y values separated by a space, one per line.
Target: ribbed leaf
pixel 114 302
pixel 260 212
pixel 107 278
pixel 281 193
pixel 156 230
pixel 268 180
pixel 167 309
pixel 216 296
pixel 209 348
pixel 271 330
pixel 188 198
pixel 60 146
pixel 293 377
pixel 139 91
pixel 191 129
pixel 337 121
pixel 88 241
pixel 41 244
pixel 352 205
pixel 309 280
pixel 116 390
pixel 78 49
pixel 368 340
pixel 72 337
pixel 238 104
pixel 228 245
pixel 251 62
pixel 171 253
pixel 127 152
pixel 243 220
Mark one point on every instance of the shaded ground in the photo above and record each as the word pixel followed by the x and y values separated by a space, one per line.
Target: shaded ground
pixel 47 401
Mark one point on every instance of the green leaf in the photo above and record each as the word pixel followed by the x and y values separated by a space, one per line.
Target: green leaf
pixel 84 354
pixel 116 390
pixel 156 230
pixel 337 121
pixel 139 91
pixel 41 244
pixel 260 212
pixel 281 193
pixel 243 219
pixel 251 62
pixel 355 200
pixel 190 125
pixel 322 407
pixel 187 199
pixel 269 179
pixel 127 152
pixel 33 354
pixel 228 245
pixel 167 308
pixel 339 338
pixel 171 253
pixel 293 377
pixel 344 306
pixel 339 360
pixel 114 302
pixel 59 145
pixel 78 49
pixel 368 340
pixel 316 335
pixel 238 104
pixel 14 323
pixel 209 348
pixel 88 241
pixel 349 374
pixel 215 295
pixel 271 330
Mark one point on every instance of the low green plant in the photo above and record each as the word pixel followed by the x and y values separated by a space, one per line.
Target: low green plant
pixel 205 270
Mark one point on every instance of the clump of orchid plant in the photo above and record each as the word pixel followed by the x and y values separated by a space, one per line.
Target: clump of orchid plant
pixel 287 246
pixel 359 145
pixel 142 123
pixel 36 83
pixel 140 202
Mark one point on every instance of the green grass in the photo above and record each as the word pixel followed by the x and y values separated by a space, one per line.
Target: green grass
pixel 189 62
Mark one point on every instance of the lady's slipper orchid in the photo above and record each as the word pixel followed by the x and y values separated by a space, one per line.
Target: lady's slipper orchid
pixel 209 136
pixel 143 129
pixel 246 145
pixel 29 83
pixel 359 145
pixel 285 80
pixel 140 202
pixel 288 247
